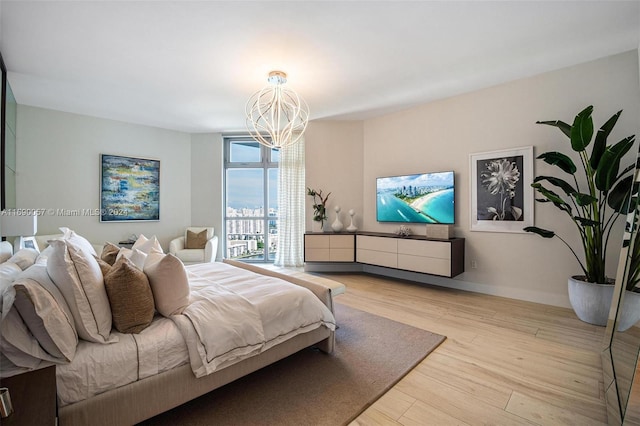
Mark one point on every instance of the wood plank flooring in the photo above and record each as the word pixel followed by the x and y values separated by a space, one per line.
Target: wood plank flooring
pixel 505 362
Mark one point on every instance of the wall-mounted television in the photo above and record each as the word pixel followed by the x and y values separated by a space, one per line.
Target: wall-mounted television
pixel 419 198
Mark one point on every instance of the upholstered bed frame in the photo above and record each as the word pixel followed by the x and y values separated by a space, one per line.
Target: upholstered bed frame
pixel 146 398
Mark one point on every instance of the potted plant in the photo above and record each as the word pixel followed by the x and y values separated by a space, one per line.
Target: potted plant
pixel 593 201
pixel 319 206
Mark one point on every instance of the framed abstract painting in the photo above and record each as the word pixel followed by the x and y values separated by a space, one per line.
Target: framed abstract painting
pixel 501 192
pixel 129 189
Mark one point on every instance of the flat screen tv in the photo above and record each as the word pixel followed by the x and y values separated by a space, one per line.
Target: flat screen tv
pixel 420 198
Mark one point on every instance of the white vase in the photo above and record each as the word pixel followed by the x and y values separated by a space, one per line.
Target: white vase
pixel 352 227
pixel 590 301
pixel 337 225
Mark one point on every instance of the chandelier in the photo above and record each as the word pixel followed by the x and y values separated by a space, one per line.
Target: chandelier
pixel 276 115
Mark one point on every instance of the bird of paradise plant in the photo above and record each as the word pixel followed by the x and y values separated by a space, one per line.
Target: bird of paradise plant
pixel 586 205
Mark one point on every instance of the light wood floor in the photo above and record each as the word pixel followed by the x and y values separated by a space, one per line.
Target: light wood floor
pixel 504 361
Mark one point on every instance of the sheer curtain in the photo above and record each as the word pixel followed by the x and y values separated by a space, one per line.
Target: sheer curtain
pixel 291 192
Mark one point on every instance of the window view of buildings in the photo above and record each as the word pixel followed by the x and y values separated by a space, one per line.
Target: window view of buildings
pixel 251 202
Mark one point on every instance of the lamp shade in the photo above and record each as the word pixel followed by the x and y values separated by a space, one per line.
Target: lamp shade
pixel 18 226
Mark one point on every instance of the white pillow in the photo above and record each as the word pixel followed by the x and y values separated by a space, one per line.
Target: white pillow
pixel 169 283
pixel 145 245
pixel 46 314
pixel 79 278
pixel 138 257
pixel 24 258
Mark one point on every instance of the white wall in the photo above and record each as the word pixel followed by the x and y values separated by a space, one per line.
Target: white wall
pixel 334 163
pixel 441 135
pixel 58 166
pixel 207 195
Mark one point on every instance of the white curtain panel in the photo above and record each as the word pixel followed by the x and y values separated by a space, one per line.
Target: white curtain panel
pixel 291 193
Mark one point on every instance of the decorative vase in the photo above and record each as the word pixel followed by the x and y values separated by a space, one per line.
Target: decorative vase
pixel 352 227
pixel 630 310
pixel 337 225
pixel 316 226
pixel 590 301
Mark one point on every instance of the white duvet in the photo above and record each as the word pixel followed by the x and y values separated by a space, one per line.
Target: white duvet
pixel 234 314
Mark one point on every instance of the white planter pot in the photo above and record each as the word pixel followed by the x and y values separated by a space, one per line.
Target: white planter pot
pixel 630 310
pixel 590 301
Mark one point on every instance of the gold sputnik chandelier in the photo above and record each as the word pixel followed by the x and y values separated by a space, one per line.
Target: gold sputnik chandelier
pixel 276 115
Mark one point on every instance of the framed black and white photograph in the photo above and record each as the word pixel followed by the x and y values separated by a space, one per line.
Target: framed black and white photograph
pixel 501 193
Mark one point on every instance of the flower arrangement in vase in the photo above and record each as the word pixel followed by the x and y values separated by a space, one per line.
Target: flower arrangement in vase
pixel 319 205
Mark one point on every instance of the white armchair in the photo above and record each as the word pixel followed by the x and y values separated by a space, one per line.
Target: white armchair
pixel 178 246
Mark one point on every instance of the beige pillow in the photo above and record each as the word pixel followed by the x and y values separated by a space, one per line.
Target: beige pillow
pixel 169 283
pixel 130 296
pixel 24 258
pixel 78 276
pixel 196 240
pixel 109 253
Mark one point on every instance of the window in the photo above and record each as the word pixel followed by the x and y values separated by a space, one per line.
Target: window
pixel 251 200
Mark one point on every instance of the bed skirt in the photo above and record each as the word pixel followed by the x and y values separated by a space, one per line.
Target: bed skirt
pixel 146 398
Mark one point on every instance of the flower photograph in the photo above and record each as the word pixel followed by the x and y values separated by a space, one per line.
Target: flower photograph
pixel 501 196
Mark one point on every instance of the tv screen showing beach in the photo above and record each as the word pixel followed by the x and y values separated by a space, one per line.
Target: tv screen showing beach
pixel 421 198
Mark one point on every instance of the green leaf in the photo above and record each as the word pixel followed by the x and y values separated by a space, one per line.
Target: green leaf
pixel 607 172
pixel 542 232
pixel 582 130
pixel 559 159
pixel 550 195
pixel 586 222
pixel 562 184
pixel 584 199
pixel 564 127
pixel 600 142
pixel 621 195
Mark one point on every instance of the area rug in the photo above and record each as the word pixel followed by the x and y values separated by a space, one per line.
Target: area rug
pixel 312 388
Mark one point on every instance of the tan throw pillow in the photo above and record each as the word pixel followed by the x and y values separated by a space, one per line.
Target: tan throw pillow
pixel 196 240
pixel 169 283
pixel 109 253
pixel 104 266
pixel 130 296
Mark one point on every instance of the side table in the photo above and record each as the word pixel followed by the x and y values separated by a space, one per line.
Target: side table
pixel 33 396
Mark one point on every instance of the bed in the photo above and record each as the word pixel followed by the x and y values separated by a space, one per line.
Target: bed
pixel 236 319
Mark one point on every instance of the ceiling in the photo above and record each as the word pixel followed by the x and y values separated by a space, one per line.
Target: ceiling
pixel 191 66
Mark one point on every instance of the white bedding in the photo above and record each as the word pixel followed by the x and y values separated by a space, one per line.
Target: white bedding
pixel 97 368
pixel 224 299
pixel 253 312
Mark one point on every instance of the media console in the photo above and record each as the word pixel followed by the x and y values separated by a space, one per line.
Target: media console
pixel 342 252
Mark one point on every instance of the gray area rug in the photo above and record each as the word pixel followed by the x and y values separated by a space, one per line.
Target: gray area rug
pixel 312 388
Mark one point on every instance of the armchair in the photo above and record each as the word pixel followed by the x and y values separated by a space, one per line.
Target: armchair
pixel 192 238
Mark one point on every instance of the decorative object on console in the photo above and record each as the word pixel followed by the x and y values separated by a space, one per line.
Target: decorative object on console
pixel 319 207
pixel 403 231
pixel 23 227
pixel 129 189
pixel 439 232
pixel 501 198
pixel 337 224
pixel 276 116
pixel 606 185
pixel 352 227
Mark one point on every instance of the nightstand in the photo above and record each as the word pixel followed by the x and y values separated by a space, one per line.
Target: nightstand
pixel 33 396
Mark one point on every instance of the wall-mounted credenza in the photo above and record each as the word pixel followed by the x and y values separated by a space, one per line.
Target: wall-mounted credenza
pixel 412 253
